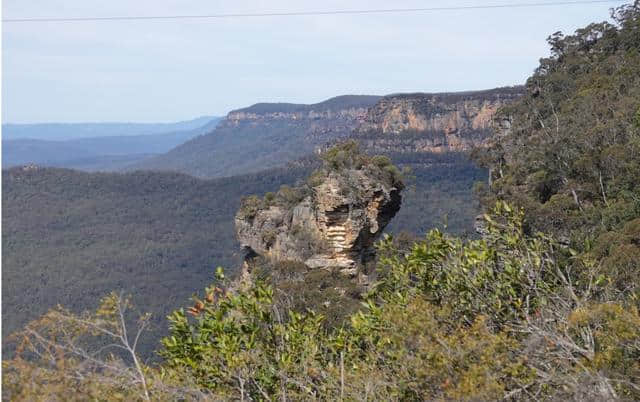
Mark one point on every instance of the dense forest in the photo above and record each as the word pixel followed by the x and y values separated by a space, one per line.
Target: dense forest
pixel 70 237
pixel 543 306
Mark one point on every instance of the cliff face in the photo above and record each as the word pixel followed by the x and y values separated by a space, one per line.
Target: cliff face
pixel 324 121
pixel 333 224
pixel 268 135
pixel 434 122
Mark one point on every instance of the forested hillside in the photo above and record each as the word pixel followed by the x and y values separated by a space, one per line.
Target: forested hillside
pixel 568 152
pixel 439 194
pixel 71 237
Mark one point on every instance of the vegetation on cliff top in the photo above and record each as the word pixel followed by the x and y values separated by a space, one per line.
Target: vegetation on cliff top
pixel 340 158
pixel 333 104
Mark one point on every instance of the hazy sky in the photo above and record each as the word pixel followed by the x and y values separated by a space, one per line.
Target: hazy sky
pixel 179 69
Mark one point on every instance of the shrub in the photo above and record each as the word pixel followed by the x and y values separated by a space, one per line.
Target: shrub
pixel 249 206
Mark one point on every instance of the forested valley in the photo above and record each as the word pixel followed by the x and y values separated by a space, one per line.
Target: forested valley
pixel 71 237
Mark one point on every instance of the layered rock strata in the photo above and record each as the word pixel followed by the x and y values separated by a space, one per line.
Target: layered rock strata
pixel 333 226
pixel 444 122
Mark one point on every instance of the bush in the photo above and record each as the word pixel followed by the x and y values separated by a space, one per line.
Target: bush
pixel 346 155
pixel 249 206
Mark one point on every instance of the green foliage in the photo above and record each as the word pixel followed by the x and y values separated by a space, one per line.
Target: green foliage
pixel 381 161
pixel 504 276
pixel 250 206
pixel 619 253
pixel 290 196
pixel 286 196
pixel 299 288
pixel 238 342
pixel 348 156
pixel 636 120
pixel 345 156
pixel 415 351
pixel 269 198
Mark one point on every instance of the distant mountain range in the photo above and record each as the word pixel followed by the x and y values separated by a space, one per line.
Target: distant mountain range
pixel 69 131
pixel 265 135
pixel 124 144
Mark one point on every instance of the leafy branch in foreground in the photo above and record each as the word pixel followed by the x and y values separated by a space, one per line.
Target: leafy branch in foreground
pixel 95 354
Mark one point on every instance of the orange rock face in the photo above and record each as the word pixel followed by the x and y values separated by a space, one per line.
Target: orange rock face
pixel 435 122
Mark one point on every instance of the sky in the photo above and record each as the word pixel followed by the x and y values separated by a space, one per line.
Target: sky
pixel 162 71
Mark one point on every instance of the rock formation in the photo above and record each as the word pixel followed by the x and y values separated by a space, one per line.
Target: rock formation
pixel 446 122
pixel 332 222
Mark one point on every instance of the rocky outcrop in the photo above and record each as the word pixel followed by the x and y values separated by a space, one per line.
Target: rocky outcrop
pixel 434 122
pixel 334 224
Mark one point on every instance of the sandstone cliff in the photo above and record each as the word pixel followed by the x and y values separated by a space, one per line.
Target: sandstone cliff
pixel 332 221
pixel 316 124
pixel 446 122
pixel 268 135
